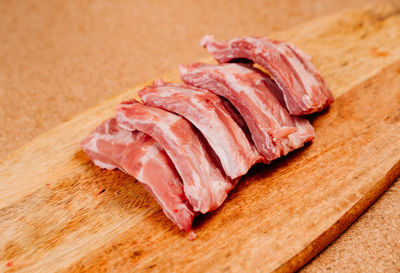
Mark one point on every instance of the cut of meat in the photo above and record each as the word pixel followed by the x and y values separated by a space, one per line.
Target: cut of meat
pixel 188 145
pixel 208 114
pixel 304 90
pixel 109 147
pixel 274 131
pixel 205 184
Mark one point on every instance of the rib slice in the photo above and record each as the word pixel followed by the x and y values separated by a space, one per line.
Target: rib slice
pixel 109 147
pixel 304 90
pixel 208 114
pixel 274 131
pixel 205 184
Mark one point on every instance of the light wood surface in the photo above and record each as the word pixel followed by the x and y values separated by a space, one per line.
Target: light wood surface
pixel 54 214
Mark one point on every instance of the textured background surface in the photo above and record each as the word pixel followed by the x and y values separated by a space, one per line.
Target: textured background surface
pixel 58 58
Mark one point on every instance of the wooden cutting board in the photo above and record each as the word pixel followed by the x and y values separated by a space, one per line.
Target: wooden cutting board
pixel 58 212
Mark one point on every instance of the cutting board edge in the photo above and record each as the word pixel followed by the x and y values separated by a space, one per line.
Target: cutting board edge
pixel 312 250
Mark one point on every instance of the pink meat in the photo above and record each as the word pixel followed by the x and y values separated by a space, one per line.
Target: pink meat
pixel 234 113
pixel 205 184
pixel 304 90
pixel 274 131
pixel 208 114
pixel 109 147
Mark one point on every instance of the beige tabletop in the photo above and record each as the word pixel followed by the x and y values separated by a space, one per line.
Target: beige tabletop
pixel 58 58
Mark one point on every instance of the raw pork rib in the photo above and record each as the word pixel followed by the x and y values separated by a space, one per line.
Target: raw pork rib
pixel 207 112
pixel 205 184
pixel 274 131
pixel 109 147
pixel 304 90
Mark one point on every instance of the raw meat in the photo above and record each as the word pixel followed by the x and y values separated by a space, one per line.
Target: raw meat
pixel 208 114
pixel 234 114
pixel 274 131
pixel 109 147
pixel 205 184
pixel 304 90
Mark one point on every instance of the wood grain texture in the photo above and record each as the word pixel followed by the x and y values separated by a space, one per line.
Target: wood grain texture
pixel 54 214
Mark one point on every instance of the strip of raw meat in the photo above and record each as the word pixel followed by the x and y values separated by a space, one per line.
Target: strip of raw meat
pixel 204 183
pixel 274 131
pixel 109 147
pixel 208 114
pixel 304 90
